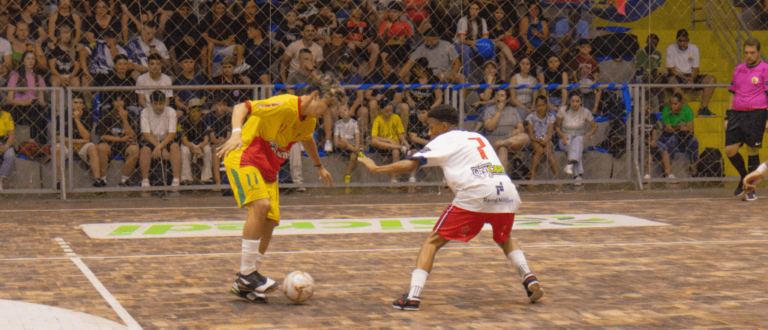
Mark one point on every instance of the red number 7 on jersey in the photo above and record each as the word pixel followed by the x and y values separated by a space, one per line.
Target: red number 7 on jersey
pixel 480 148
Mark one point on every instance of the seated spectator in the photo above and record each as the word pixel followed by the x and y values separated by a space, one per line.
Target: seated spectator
pixel 7 138
pixel 394 32
pixel 228 77
pixel 154 77
pixel 501 25
pixel 289 30
pixel 541 124
pixel 182 35
pixel 346 137
pixel 62 60
pixel 653 129
pixel 554 74
pixel 158 131
pixel 649 70
pixel 21 43
pixel 443 59
pixel 6 60
pixel 220 122
pixel 217 28
pixel 188 77
pixel 65 14
pixel 491 77
pixel 99 57
pixel 422 98
pixel 117 134
pixel 29 107
pixel 574 125
pixel 388 136
pixel 523 98
pixel 81 142
pixel 586 71
pixel 324 21
pixel 142 47
pixel 94 27
pixel 682 61
pixel 469 30
pixel 377 99
pixel 195 144
pixel 677 134
pixel 27 15
pixel 504 127
pixel 290 61
pixel 568 32
pixel 444 15
pixel 418 129
pixel 256 54
pixel 534 32
pixel 360 37
pixel 123 78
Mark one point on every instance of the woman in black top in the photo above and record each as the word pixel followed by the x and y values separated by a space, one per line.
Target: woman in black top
pixel 64 15
pixel 500 25
pixel 62 60
pixel 28 15
pixel 554 74
pixel 94 26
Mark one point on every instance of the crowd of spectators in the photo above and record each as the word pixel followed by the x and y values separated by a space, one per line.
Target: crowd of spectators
pixel 152 45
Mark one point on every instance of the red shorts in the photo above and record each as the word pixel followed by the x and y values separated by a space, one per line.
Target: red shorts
pixel 458 224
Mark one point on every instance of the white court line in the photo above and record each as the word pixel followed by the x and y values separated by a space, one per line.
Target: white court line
pixel 533 246
pixel 127 318
pixel 338 205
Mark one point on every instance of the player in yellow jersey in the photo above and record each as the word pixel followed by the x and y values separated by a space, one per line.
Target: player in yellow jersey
pixel 262 135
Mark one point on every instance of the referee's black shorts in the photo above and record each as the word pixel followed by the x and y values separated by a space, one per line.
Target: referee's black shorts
pixel 746 127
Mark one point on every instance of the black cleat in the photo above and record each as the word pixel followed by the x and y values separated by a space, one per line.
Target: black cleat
pixel 253 287
pixel 705 113
pixel 406 304
pixel 739 189
pixel 533 288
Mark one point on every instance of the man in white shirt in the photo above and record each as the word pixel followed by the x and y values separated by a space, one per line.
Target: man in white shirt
pixel 682 62
pixel 484 194
pixel 6 60
pixel 291 57
pixel 154 78
pixel 443 58
pixel 140 48
pixel 158 130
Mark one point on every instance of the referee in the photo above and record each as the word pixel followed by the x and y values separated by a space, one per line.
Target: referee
pixel 745 121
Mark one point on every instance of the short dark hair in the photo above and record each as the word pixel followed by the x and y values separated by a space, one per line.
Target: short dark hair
pixel 682 33
pixel 120 57
pixel 154 57
pixel 183 56
pixel 157 96
pixel 584 41
pixel 305 51
pixel 677 96
pixel 541 97
pixel 752 42
pixel 445 113
pixel 150 24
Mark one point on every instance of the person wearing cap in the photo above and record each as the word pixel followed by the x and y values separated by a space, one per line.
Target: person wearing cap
pixel 443 59
pixel 682 62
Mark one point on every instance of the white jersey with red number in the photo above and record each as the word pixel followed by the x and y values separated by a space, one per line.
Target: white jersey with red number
pixel 472 170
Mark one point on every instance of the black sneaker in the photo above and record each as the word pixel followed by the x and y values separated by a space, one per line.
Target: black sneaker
pixel 704 112
pixel 750 197
pixel 98 183
pixel 533 288
pixel 406 304
pixel 739 188
pixel 124 184
pixel 253 283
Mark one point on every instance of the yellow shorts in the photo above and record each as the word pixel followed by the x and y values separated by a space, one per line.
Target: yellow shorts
pixel 248 186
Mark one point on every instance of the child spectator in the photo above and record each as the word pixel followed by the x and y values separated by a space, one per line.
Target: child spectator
pixel 469 30
pixel 195 144
pixel 117 133
pixel 64 15
pixel 346 137
pixel 81 142
pixel 677 134
pixel 418 130
pixel 523 98
pixel 142 47
pixel 504 127
pixel 554 74
pixel 541 124
pixel 501 25
pixel 188 77
pixel 99 57
pixel 29 107
pixel 7 138
pixel 388 135
pixel 158 131
pixel 256 54
pixel 62 60
pixel 220 122
pixel 574 125
pixel 376 98
pixel 154 77
pixel 586 71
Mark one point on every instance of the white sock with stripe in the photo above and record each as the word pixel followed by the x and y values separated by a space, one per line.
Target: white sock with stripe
pixel 518 260
pixel 250 259
pixel 418 279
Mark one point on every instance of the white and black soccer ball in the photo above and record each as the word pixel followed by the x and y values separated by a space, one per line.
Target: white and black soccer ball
pixel 298 286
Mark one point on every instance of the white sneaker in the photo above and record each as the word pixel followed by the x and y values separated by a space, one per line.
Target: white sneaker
pixel 404 149
pixel 241 68
pixel 394 181
pixel 145 183
pixel 672 176
pixel 328 146
pixel 646 176
pixel 412 179
pixel 175 182
pixel 569 169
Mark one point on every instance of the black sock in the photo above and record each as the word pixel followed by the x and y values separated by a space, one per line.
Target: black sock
pixel 753 162
pixel 738 162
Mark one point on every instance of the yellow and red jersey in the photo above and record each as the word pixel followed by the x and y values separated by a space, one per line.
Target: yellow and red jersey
pixel 271 128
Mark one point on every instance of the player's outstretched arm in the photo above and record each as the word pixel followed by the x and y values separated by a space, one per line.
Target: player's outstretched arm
pixel 239 112
pixel 403 166
pixel 753 179
pixel 310 147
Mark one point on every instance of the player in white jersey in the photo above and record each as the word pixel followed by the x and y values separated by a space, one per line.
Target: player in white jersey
pixel 484 194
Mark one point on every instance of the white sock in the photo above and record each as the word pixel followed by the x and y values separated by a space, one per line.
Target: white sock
pixel 250 259
pixel 518 260
pixel 418 279
pixel 124 178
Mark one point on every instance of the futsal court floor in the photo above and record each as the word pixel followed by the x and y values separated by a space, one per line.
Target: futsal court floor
pixel 618 263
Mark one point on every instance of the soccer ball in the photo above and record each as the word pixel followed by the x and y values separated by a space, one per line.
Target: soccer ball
pixel 298 286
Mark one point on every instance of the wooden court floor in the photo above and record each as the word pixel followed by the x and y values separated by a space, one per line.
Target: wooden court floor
pixel 707 268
